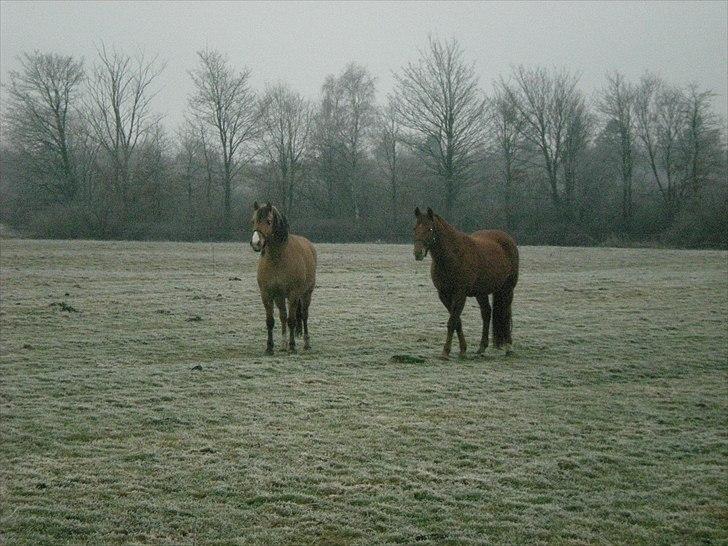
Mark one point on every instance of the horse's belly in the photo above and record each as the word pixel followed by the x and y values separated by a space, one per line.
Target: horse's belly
pixel 275 286
pixel 277 291
pixel 283 288
pixel 483 286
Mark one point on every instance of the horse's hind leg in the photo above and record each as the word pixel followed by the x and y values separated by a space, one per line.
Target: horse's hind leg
pixel 484 303
pixel 305 302
pixel 299 319
pixel 502 319
pixel 269 322
pixel 281 304
pixel 293 310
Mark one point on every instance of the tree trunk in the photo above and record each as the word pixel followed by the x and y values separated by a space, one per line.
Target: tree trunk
pixel 226 199
pixel 507 196
pixel 449 197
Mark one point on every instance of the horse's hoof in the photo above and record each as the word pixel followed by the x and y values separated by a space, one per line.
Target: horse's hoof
pixel 269 351
pixel 307 347
pixel 292 350
pixel 463 356
pixel 445 356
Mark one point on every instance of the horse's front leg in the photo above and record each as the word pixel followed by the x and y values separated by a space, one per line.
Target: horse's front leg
pixel 446 300
pixel 454 304
pixel 269 321
pixel 458 306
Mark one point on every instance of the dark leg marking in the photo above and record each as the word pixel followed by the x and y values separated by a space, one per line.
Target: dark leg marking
pixel 269 323
pixel 304 317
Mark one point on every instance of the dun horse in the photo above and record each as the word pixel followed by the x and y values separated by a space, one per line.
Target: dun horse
pixel 286 271
pixel 483 263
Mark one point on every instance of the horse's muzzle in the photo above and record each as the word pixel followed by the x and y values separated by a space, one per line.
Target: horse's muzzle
pixel 420 254
pixel 256 242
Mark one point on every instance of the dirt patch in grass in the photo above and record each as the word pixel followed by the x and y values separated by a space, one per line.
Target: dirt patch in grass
pixel 63 306
pixel 407 359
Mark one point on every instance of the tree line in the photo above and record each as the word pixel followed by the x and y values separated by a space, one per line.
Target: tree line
pixel 84 155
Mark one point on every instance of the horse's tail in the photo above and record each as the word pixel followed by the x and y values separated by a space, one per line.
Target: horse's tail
pixel 511 249
pixel 503 298
pixel 299 319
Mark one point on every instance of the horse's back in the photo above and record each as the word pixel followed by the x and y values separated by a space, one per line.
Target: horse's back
pixel 306 250
pixel 504 240
pixel 497 245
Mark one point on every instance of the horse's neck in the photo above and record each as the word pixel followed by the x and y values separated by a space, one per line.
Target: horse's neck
pixel 445 250
pixel 274 252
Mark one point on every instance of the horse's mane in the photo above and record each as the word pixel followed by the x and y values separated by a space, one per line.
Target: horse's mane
pixel 279 225
pixel 443 225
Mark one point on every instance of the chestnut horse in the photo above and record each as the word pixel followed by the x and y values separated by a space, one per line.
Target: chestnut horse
pixel 483 263
pixel 286 271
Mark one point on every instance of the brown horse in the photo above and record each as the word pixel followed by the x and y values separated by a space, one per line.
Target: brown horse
pixel 286 271
pixel 483 263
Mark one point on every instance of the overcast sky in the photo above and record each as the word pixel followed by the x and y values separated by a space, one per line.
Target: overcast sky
pixel 300 43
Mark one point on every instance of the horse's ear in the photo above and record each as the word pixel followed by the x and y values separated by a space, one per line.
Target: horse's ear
pixel 256 206
pixel 268 205
pixel 417 212
pixel 430 214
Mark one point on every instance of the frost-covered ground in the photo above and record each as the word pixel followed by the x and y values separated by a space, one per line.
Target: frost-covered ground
pixel 150 414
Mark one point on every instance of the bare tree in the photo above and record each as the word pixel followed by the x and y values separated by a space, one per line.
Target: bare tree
pixel 387 149
pixel 356 87
pixel 286 138
pixel 189 162
pixel 223 101
pixel 43 98
pixel 328 149
pixel 120 115
pixel 199 166
pixel 660 117
pixel 440 105
pixel 505 126
pixel 549 103
pixel 211 161
pixel 152 163
pixel 578 135
pixel 700 141
pixel 617 104
pixel 343 123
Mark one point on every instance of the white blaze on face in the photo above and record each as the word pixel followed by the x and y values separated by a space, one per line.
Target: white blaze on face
pixel 256 240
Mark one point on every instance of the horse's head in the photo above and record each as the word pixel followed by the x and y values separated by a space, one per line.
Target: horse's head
pixel 425 232
pixel 269 227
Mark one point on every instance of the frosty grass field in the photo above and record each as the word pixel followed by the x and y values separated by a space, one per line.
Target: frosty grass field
pixel 137 404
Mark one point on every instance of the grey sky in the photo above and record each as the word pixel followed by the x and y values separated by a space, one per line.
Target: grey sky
pixel 300 43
